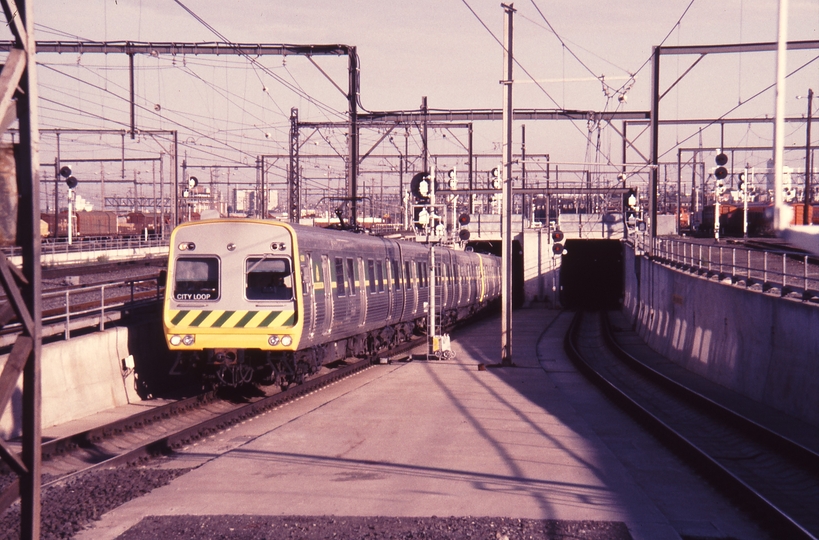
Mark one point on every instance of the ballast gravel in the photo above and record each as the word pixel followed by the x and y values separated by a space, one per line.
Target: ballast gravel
pixel 72 506
pixel 69 507
pixel 370 528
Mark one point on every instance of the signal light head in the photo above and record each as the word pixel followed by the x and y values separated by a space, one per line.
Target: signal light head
pixel 721 159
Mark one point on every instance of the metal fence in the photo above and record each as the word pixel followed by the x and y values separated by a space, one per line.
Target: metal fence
pixel 92 244
pixel 785 272
pixel 90 306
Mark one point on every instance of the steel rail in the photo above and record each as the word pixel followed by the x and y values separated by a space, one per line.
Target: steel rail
pixel 168 444
pixel 807 457
pixel 774 517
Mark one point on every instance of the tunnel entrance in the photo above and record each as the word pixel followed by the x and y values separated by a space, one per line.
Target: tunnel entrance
pixel 591 274
pixel 496 248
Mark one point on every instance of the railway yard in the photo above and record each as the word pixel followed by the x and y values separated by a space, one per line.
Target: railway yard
pixel 381 449
pixel 589 434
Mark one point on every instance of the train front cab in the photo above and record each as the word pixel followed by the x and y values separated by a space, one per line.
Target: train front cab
pixel 233 291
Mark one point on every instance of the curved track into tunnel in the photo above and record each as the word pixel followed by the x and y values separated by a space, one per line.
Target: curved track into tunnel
pixel 775 478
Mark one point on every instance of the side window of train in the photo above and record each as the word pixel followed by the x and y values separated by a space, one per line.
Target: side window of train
pixel 371 275
pixel 423 278
pixel 339 275
pixel 196 278
pixel 379 271
pixel 305 276
pixel 318 274
pixel 408 274
pixel 396 275
pixel 351 275
pixel 268 278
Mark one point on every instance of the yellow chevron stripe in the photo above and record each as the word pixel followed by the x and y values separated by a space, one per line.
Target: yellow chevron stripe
pixel 235 318
pixel 257 319
pixel 281 318
pixel 210 319
pixel 190 317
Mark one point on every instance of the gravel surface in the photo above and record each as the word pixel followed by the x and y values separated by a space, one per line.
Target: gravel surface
pixel 309 528
pixel 73 506
pixel 68 508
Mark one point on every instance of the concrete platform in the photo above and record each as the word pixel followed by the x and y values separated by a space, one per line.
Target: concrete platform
pixel 447 439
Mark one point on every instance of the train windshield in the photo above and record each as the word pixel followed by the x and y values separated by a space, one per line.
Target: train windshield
pixel 268 278
pixel 196 278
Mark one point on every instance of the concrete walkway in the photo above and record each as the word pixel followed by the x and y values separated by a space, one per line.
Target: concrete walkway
pixel 447 439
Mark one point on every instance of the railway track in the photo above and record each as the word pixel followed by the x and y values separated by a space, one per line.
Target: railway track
pixel 161 431
pixel 775 478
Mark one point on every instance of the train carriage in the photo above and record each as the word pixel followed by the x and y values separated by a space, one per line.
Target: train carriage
pixel 265 300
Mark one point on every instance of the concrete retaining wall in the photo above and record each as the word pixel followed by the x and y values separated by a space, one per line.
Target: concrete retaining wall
pixel 541 267
pixel 53 258
pixel 80 377
pixel 762 346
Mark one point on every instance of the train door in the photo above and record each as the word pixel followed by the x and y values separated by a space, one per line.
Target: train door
pixel 324 324
pixel 308 297
pixel 354 306
pixel 401 290
pixel 411 289
pixel 388 285
pixel 362 291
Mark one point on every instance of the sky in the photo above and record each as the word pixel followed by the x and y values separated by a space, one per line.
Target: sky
pixel 227 110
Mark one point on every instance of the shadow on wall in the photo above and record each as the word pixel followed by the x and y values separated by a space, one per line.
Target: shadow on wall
pixel 153 362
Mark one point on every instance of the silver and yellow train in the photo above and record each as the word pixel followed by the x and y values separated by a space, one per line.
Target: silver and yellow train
pixel 258 300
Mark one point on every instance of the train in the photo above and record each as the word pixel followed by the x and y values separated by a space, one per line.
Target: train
pixel 760 219
pixel 96 223
pixel 253 300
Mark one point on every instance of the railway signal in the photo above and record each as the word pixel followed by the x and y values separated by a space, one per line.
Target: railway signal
pixel 557 237
pixel 420 188
pixel 453 178
pixel 630 202
pixel 70 180
pixel 495 179
pixel 721 172
pixel 463 221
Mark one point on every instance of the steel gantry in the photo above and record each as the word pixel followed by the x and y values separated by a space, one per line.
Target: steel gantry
pixel 248 50
pixel 657 95
pixel 18 100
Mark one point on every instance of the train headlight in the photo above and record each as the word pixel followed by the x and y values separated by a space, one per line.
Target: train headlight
pixel 186 246
pixel 287 341
pixel 188 340
pixel 176 340
pixel 273 340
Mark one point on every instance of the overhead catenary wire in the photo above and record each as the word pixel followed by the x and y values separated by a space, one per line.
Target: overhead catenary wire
pixel 322 106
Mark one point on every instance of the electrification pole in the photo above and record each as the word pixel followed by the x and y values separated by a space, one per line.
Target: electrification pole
pixel 806 218
pixel 506 225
